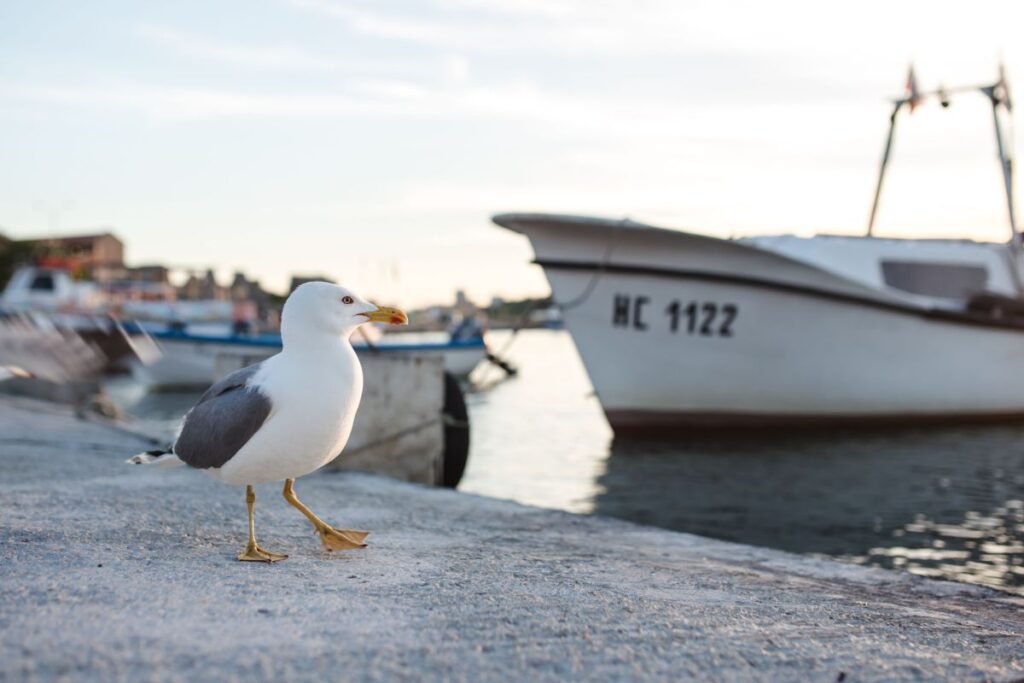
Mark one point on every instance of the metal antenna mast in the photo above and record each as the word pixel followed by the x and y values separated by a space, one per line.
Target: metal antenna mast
pixel 998 94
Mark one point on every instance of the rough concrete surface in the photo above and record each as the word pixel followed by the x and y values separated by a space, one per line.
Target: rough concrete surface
pixel 116 573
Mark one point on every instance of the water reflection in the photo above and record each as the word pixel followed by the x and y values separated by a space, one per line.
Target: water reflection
pixel 157 413
pixel 983 549
pixel 541 438
pixel 944 503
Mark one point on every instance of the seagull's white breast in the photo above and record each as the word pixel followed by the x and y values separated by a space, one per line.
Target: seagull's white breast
pixel 314 403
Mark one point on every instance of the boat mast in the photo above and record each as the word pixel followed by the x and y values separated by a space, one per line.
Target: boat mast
pixel 998 94
pixel 885 163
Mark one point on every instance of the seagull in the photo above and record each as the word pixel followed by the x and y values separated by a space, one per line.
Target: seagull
pixel 288 415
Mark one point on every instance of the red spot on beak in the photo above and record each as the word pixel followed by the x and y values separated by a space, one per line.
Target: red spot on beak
pixel 395 320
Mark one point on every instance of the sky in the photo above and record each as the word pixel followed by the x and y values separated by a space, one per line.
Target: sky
pixel 371 141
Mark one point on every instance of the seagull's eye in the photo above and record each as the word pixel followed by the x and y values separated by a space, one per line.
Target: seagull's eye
pixel 347 300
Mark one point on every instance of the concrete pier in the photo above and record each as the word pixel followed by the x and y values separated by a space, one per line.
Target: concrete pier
pixel 110 572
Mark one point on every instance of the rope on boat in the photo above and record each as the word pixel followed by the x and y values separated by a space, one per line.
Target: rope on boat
pixel 442 419
pixel 369 342
pixel 394 436
pixel 575 302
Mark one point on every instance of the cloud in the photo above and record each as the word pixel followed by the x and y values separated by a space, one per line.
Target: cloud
pixel 449 68
pixel 490 31
pixel 791 29
pixel 378 24
pixel 513 100
pixel 564 26
pixel 263 57
pixel 533 8
pixel 167 102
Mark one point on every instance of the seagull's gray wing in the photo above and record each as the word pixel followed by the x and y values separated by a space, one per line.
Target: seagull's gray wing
pixel 223 420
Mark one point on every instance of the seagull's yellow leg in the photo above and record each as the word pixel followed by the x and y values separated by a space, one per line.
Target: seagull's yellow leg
pixel 252 552
pixel 333 539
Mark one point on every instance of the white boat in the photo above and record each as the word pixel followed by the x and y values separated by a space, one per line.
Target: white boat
pixel 192 359
pixel 34 344
pixel 681 330
pixel 78 309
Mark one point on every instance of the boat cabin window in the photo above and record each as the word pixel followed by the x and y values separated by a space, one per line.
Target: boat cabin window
pixel 943 280
pixel 42 282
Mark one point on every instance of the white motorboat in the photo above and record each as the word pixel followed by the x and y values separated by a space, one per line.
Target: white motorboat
pixel 50 297
pixel 681 330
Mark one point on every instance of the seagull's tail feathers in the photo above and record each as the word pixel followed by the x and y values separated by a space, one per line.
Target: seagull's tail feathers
pixel 163 458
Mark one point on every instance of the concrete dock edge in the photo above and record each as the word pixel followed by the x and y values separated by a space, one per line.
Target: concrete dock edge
pixel 110 572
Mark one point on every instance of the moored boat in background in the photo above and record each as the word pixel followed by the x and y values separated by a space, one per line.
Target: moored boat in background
pixel 76 308
pixel 681 330
pixel 195 358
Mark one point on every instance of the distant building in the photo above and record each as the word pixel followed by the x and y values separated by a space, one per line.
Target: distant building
pixel 208 287
pixel 463 304
pixel 298 280
pixel 150 273
pixel 189 290
pixel 252 294
pixel 151 283
pixel 241 288
pixel 203 287
pixel 98 256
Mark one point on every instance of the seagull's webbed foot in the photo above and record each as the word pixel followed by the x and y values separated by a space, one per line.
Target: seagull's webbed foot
pixel 341 539
pixel 254 553
pixel 332 539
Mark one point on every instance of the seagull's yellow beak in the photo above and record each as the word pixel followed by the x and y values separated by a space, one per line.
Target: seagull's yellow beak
pixel 385 314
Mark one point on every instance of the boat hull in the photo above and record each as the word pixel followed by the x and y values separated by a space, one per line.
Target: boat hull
pixel 706 333
pixel 194 361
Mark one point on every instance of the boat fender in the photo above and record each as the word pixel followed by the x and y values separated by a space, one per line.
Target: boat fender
pixel 456 433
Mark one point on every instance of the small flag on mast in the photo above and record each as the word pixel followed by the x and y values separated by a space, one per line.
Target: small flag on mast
pixel 1002 90
pixel 913 94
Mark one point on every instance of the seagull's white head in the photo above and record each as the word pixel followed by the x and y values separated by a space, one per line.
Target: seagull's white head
pixel 323 309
